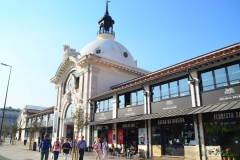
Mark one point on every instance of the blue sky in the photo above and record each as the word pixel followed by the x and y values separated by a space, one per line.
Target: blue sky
pixel 158 33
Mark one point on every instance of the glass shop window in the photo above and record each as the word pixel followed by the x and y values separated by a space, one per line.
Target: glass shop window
pixel 171 89
pixel 104 105
pixel 220 77
pixel 129 99
pixel 178 134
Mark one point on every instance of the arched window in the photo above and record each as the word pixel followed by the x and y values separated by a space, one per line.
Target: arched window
pixel 70 111
pixel 72 80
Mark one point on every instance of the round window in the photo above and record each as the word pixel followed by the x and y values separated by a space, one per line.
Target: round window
pixel 125 54
pixel 98 51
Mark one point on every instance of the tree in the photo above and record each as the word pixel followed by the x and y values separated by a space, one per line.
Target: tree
pixel 5 130
pixel 81 120
pixel 34 127
pixel 14 129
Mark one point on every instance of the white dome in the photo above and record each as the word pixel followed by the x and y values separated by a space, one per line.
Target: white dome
pixel 105 46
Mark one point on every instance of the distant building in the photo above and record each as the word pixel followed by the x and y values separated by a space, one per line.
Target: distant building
pixel 10 116
pixel 45 115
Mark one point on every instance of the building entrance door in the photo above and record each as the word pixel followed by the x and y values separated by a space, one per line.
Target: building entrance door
pixel 173 140
pixel 69 131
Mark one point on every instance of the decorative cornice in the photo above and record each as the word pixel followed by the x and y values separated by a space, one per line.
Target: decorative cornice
pixel 62 68
pixel 94 59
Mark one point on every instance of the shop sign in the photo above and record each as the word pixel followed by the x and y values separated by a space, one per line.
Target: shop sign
pixel 228 115
pixel 95 133
pixel 129 125
pixel 110 137
pixel 142 136
pixel 130 111
pixel 171 121
pixel 103 116
pixel 222 95
pixel 101 127
pixel 221 116
pixel 170 105
pixel 120 138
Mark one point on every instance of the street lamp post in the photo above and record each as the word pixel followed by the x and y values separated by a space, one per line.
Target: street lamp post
pixel 5 100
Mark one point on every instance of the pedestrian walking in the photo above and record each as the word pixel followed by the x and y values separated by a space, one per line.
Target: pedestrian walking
pixel 45 147
pixel 81 146
pixel 104 148
pixel 71 145
pixel 56 149
pixel 66 148
pixel 97 148
pixel 25 140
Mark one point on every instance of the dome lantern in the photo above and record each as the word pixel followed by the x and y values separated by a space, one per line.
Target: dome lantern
pixel 106 25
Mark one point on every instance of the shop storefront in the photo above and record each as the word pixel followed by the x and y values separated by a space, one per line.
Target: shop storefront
pixel 131 133
pixel 171 135
pixel 221 131
pixel 102 131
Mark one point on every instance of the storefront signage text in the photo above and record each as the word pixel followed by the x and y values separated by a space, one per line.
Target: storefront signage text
pixel 101 127
pixel 129 112
pixel 229 115
pixel 229 97
pixel 129 125
pixel 171 121
pixel 102 116
pixel 169 105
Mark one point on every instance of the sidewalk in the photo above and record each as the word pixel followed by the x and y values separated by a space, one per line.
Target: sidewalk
pixel 21 152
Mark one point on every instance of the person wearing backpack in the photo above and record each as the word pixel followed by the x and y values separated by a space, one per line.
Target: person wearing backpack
pixel 56 149
pixel 97 148
pixel 104 148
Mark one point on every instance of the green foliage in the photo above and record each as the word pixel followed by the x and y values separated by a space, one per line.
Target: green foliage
pixel 223 153
pixel 81 119
pixel 5 129
pixel 228 153
pixel 213 128
pixel 34 127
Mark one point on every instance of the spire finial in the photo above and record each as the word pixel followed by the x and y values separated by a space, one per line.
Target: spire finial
pixel 107 7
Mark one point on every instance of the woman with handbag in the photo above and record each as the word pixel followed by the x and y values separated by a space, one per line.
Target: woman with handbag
pixel 97 148
pixel 56 149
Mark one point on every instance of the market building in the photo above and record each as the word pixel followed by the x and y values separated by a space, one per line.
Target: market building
pixel 44 117
pixel 81 75
pixel 188 110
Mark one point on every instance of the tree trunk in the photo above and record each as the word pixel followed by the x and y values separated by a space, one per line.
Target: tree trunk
pixel 30 141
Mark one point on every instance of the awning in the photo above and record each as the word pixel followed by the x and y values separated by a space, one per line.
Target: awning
pixel 166 114
pixel 216 107
pixel 96 122
pixel 123 119
pixel 193 110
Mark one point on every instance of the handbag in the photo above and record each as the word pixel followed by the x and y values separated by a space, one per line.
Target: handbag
pixel 95 147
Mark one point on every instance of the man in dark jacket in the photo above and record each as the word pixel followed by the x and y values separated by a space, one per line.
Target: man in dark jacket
pixel 45 147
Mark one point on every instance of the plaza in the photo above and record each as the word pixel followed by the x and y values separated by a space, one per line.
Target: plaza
pixel 21 152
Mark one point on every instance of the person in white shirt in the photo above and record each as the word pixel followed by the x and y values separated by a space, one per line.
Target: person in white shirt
pixel 104 148
pixel 97 148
